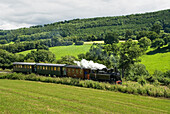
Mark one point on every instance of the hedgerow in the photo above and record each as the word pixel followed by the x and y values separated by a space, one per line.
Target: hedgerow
pixel 126 87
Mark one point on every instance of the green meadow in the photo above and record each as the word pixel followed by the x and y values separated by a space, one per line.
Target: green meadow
pixel 73 50
pixel 18 96
pixel 157 59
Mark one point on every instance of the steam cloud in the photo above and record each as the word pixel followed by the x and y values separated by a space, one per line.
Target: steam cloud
pixel 89 64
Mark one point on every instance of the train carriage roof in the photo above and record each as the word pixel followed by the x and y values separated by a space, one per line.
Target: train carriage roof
pixel 47 64
pixel 75 66
pixel 72 66
pixel 23 63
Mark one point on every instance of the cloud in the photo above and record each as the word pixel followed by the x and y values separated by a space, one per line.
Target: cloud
pixel 20 13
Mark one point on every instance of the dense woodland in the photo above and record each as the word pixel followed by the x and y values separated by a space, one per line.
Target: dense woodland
pixel 79 30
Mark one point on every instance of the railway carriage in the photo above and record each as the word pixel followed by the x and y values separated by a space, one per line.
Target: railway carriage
pixel 24 67
pixel 77 72
pixel 51 69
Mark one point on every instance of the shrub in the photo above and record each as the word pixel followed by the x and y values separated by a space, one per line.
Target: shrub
pixel 142 81
pixel 136 71
pixel 79 43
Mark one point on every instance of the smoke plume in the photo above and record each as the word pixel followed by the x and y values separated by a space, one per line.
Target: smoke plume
pixel 89 64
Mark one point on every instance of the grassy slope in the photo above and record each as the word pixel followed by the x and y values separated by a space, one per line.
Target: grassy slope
pixel 157 60
pixel 32 97
pixel 74 50
pixel 60 51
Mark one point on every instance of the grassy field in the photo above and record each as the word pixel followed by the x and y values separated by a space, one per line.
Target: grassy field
pixel 157 60
pixel 74 50
pixel 32 97
pixel 60 51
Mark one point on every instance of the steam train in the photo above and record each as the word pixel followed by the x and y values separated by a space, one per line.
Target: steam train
pixel 63 70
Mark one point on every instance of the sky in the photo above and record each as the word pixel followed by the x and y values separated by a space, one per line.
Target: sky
pixel 25 13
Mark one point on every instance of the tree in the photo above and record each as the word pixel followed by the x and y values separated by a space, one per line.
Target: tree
pixel 41 56
pixel 67 60
pixel 145 43
pixel 157 43
pixel 135 71
pixel 167 39
pixel 129 54
pixel 3 42
pixel 128 34
pixel 6 59
pixel 152 35
pixel 111 38
pixel 156 28
pixel 42 47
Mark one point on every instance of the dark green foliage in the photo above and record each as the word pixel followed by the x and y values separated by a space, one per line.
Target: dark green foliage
pixel 129 54
pixel 167 74
pixel 111 38
pixel 156 28
pixel 142 80
pixel 158 43
pixel 79 43
pixel 141 34
pixel 67 60
pixel 92 28
pixel 3 42
pixel 163 78
pixel 128 34
pixel 6 59
pixel 42 47
pixel 166 39
pixel 152 35
pixel 41 56
pixel 144 43
pixel 136 71
pixel 151 79
pixel 103 54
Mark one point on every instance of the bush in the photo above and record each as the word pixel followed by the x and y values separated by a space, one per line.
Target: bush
pixel 142 81
pixel 79 43
pixel 136 71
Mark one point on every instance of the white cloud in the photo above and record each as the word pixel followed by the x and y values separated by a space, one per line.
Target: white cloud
pixel 20 13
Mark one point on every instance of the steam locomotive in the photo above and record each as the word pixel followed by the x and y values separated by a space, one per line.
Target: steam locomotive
pixel 63 70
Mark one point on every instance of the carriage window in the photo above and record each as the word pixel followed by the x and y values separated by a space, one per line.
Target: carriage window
pixel 77 71
pixel 43 67
pixel 64 69
pixel 46 68
pixel 68 70
pixel 54 68
pixel 58 68
pixel 73 70
pixel 81 71
pixel 30 66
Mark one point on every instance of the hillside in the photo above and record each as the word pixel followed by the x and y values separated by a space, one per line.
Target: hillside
pixel 32 97
pixel 89 29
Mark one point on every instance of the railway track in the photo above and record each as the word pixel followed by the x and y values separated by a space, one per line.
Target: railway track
pixel 5 72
